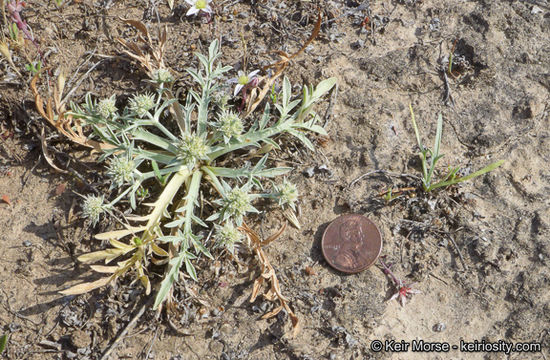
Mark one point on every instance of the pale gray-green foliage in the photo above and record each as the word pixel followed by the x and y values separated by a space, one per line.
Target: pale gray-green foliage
pixel 144 149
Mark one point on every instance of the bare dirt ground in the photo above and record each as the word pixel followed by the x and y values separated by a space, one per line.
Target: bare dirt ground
pixel 478 252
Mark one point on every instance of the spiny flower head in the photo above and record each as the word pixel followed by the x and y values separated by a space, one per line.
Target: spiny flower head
pixel 287 193
pixel 236 204
pixel 106 107
pixel 162 76
pixel 227 236
pixel 141 104
pixel 121 170
pixel 192 148
pixel 230 125
pixel 93 207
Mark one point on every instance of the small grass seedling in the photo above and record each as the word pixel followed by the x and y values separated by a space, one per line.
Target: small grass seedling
pixel 429 158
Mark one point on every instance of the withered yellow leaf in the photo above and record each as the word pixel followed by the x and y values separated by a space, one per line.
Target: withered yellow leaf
pixel 106 255
pixel 272 313
pixel 118 234
pixel 86 287
pixel 104 269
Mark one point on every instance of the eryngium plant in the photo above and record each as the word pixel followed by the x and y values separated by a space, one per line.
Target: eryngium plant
pixel 186 162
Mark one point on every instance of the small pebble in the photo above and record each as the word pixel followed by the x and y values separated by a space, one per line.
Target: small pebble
pixel 439 327
pixel 536 10
pixel 359 44
pixel 309 172
pixel 27 243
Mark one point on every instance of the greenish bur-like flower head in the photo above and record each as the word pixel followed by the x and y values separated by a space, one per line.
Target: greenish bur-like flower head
pixel 162 76
pixel 287 193
pixel 192 149
pixel 141 104
pixel 93 207
pixel 230 125
pixel 236 204
pixel 227 236
pixel 106 107
pixel 121 170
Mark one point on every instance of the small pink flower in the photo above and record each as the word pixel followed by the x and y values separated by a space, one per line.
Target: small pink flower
pixel 404 292
pixel 198 6
pixel 242 80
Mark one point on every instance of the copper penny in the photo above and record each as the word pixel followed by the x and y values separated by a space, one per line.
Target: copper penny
pixel 351 243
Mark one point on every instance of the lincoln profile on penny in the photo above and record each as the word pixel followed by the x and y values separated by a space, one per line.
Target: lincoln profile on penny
pixel 353 249
pixel 351 243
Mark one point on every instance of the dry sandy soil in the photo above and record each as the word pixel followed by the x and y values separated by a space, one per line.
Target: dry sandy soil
pixel 478 251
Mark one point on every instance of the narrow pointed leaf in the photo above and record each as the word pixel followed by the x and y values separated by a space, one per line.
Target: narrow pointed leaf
pixel 86 287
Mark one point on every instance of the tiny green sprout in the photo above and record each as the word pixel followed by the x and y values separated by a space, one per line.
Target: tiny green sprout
pixel 141 104
pixel 93 207
pixel 14 32
pixel 389 196
pixel 121 170
pixel 34 67
pixel 192 148
pixel 106 107
pixel 142 193
pixel 230 125
pixel 273 95
pixel 163 76
pixel 137 241
pixel 227 236
pixel 287 194
pixel 429 158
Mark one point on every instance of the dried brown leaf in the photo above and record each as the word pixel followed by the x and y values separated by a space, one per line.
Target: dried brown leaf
pixel 86 287
pixel 274 236
pixel 138 25
pixel 104 269
pixel 272 313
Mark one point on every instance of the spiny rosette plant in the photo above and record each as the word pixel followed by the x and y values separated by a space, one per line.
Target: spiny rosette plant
pixel 192 150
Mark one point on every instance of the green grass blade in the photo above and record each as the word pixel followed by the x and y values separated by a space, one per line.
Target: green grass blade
pixel 439 132
pixel 3 342
pixel 485 170
pixel 435 153
pixel 418 139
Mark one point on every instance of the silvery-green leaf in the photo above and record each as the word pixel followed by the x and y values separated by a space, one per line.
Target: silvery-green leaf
pixel 287 91
pixel 197 220
pixel 204 61
pixel 265 117
pixel 190 269
pixel 273 172
pixel 168 281
pixel 155 140
pixel 302 138
pixel 175 223
pixel 170 239
pixel 323 87
pixel 213 217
